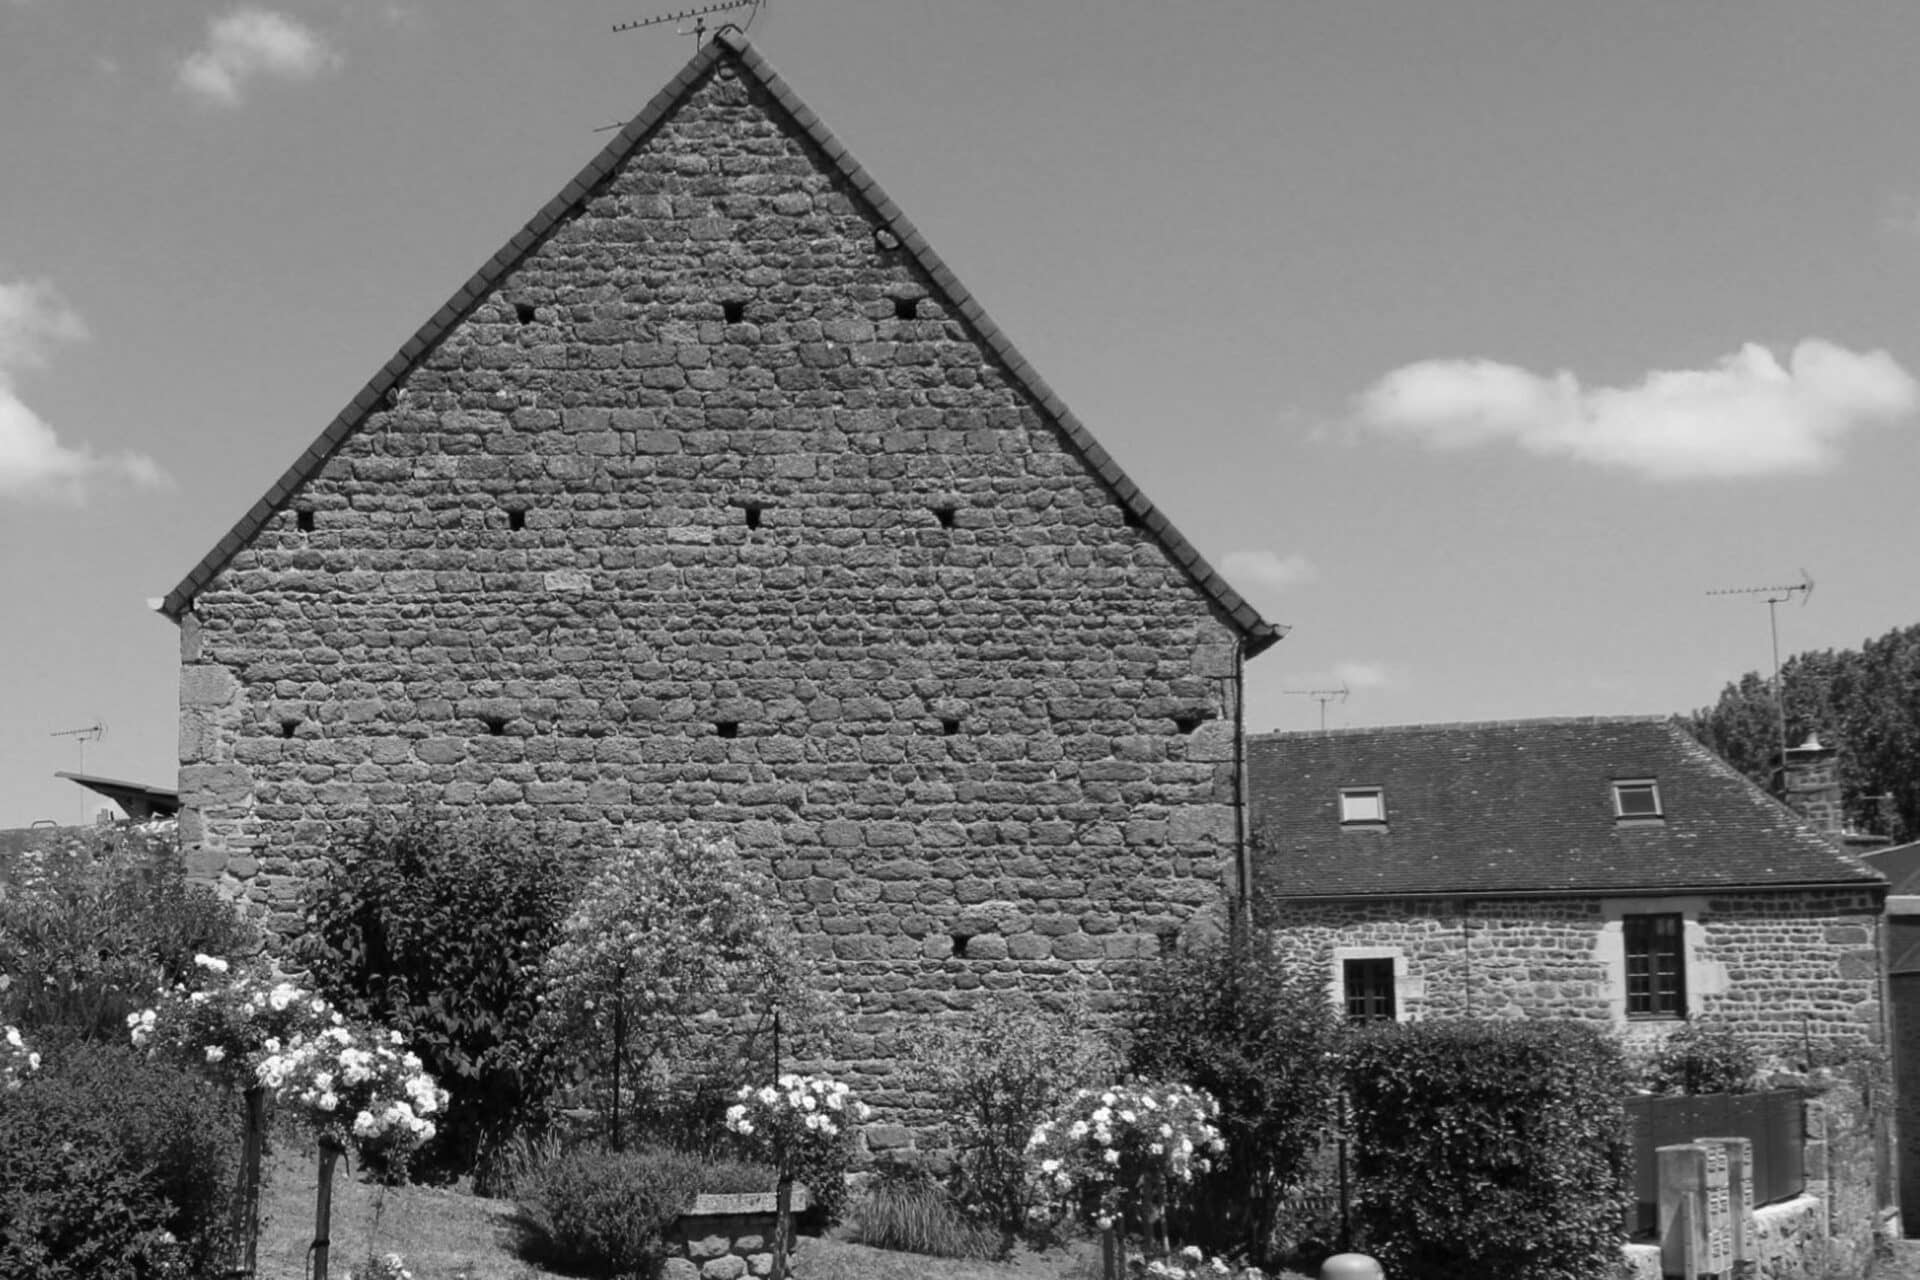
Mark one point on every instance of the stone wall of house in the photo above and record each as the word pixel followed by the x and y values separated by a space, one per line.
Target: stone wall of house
pixel 1788 968
pixel 714 512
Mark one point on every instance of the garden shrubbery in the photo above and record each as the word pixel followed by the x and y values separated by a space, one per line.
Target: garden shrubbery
pixel 113 1166
pixel 994 1078
pixel 438 930
pixel 1489 1148
pixel 1260 1037
pixel 90 933
pixel 911 1211
pixel 1703 1057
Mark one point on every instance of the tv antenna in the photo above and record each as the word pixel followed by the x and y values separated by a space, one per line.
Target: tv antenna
pixel 95 732
pixel 1775 597
pixel 699 15
pixel 1323 697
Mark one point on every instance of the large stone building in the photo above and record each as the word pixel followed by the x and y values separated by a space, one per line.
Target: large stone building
pixel 1607 869
pixel 714 496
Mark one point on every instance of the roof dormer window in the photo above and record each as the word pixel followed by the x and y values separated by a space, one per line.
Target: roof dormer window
pixel 1636 798
pixel 1361 806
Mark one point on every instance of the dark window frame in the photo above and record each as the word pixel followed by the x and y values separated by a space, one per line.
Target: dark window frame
pixel 1655 945
pixel 1369 989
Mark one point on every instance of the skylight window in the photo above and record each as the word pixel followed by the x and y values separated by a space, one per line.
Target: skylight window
pixel 1363 804
pixel 1636 798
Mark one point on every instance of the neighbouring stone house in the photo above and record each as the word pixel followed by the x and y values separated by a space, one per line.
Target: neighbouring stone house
pixel 1607 869
pixel 1901 866
pixel 715 497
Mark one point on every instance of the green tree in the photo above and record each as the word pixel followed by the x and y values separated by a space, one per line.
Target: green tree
pixel 437 929
pixel 674 960
pixel 1864 702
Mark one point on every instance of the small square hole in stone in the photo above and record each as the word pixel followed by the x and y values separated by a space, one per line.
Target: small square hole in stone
pixel 960 941
pixel 727 728
pixel 1168 941
pixel 1132 519
pixel 516 519
pixel 1188 721
pixel 753 515
pixel 303 520
pixel 496 725
pixel 906 308
pixel 734 310
pixel 945 516
pixel 523 312
pixel 289 727
pixel 950 725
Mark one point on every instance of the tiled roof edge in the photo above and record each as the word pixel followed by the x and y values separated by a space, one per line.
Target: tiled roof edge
pixel 1459 726
pixel 428 336
pixel 1257 633
pixel 1868 880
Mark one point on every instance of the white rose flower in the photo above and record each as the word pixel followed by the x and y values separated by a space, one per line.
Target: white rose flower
pixel 215 1053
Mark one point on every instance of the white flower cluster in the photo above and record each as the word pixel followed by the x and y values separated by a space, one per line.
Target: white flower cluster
pixel 331 1074
pixel 390 1267
pixel 1109 1140
pixel 1191 1263
pixel 17 1062
pixel 817 1104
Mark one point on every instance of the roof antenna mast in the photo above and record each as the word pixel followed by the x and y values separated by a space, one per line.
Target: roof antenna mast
pixel 699 15
pixel 1323 697
pixel 94 732
pixel 1775 597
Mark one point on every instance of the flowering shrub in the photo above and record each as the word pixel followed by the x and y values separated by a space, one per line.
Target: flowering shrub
pixel 1112 1151
pixel 230 1020
pixel 17 1062
pixel 353 1090
pixel 674 954
pixel 804 1126
pixel 1191 1263
pixel 350 1085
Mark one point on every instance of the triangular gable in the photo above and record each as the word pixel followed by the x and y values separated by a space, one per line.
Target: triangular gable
pixel 1256 631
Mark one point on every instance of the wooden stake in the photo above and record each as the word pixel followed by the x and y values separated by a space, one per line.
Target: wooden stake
pixel 323 1207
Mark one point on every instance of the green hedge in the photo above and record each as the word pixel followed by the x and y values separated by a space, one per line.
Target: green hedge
pixel 1489 1149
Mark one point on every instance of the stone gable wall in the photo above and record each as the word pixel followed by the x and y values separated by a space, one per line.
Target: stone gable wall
pixel 713 512
pixel 1784 967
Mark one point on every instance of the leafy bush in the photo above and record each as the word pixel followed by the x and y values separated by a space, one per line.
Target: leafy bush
pixel 91 931
pixel 1703 1057
pixel 670 967
pixel 603 1213
pixel 112 1166
pixel 1489 1149
pixel 1261 1037
pixel 994 1078
pixel 438 930
pixel 908 1211
pixel 804 1126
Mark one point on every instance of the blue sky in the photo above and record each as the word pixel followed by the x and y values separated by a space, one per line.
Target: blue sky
pixel 1476 341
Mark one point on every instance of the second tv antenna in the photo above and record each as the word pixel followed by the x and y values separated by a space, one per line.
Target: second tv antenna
pixel 1775 597
pixel 699 15
pixel 1323 697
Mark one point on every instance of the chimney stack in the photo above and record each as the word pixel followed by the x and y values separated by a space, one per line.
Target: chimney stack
pixel 1808 780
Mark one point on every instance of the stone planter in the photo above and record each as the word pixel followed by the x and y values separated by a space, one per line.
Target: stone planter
pixel 725 1237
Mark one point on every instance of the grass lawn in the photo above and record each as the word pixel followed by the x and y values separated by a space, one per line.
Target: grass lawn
pixel 448 1235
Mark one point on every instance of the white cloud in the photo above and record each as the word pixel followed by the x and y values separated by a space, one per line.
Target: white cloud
pixel 1747 415
pixel 1266 570
pixel 33 461
pixel 1364 675
pixel 252 44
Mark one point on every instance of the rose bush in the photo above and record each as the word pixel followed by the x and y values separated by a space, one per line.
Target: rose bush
pixel 1115 1153
pixel 804 1127
pixel 17 1061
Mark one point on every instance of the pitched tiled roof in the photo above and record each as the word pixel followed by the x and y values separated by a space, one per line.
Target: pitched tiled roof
pixel 1520 807
pixel 1257 632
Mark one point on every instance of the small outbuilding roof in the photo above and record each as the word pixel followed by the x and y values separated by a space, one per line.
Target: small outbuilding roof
pixel 141 802
pixel 1521 807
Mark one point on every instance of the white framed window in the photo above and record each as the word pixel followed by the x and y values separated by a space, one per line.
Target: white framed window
pixel 1372 984
pixel 1636 798
pixel 1363 804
